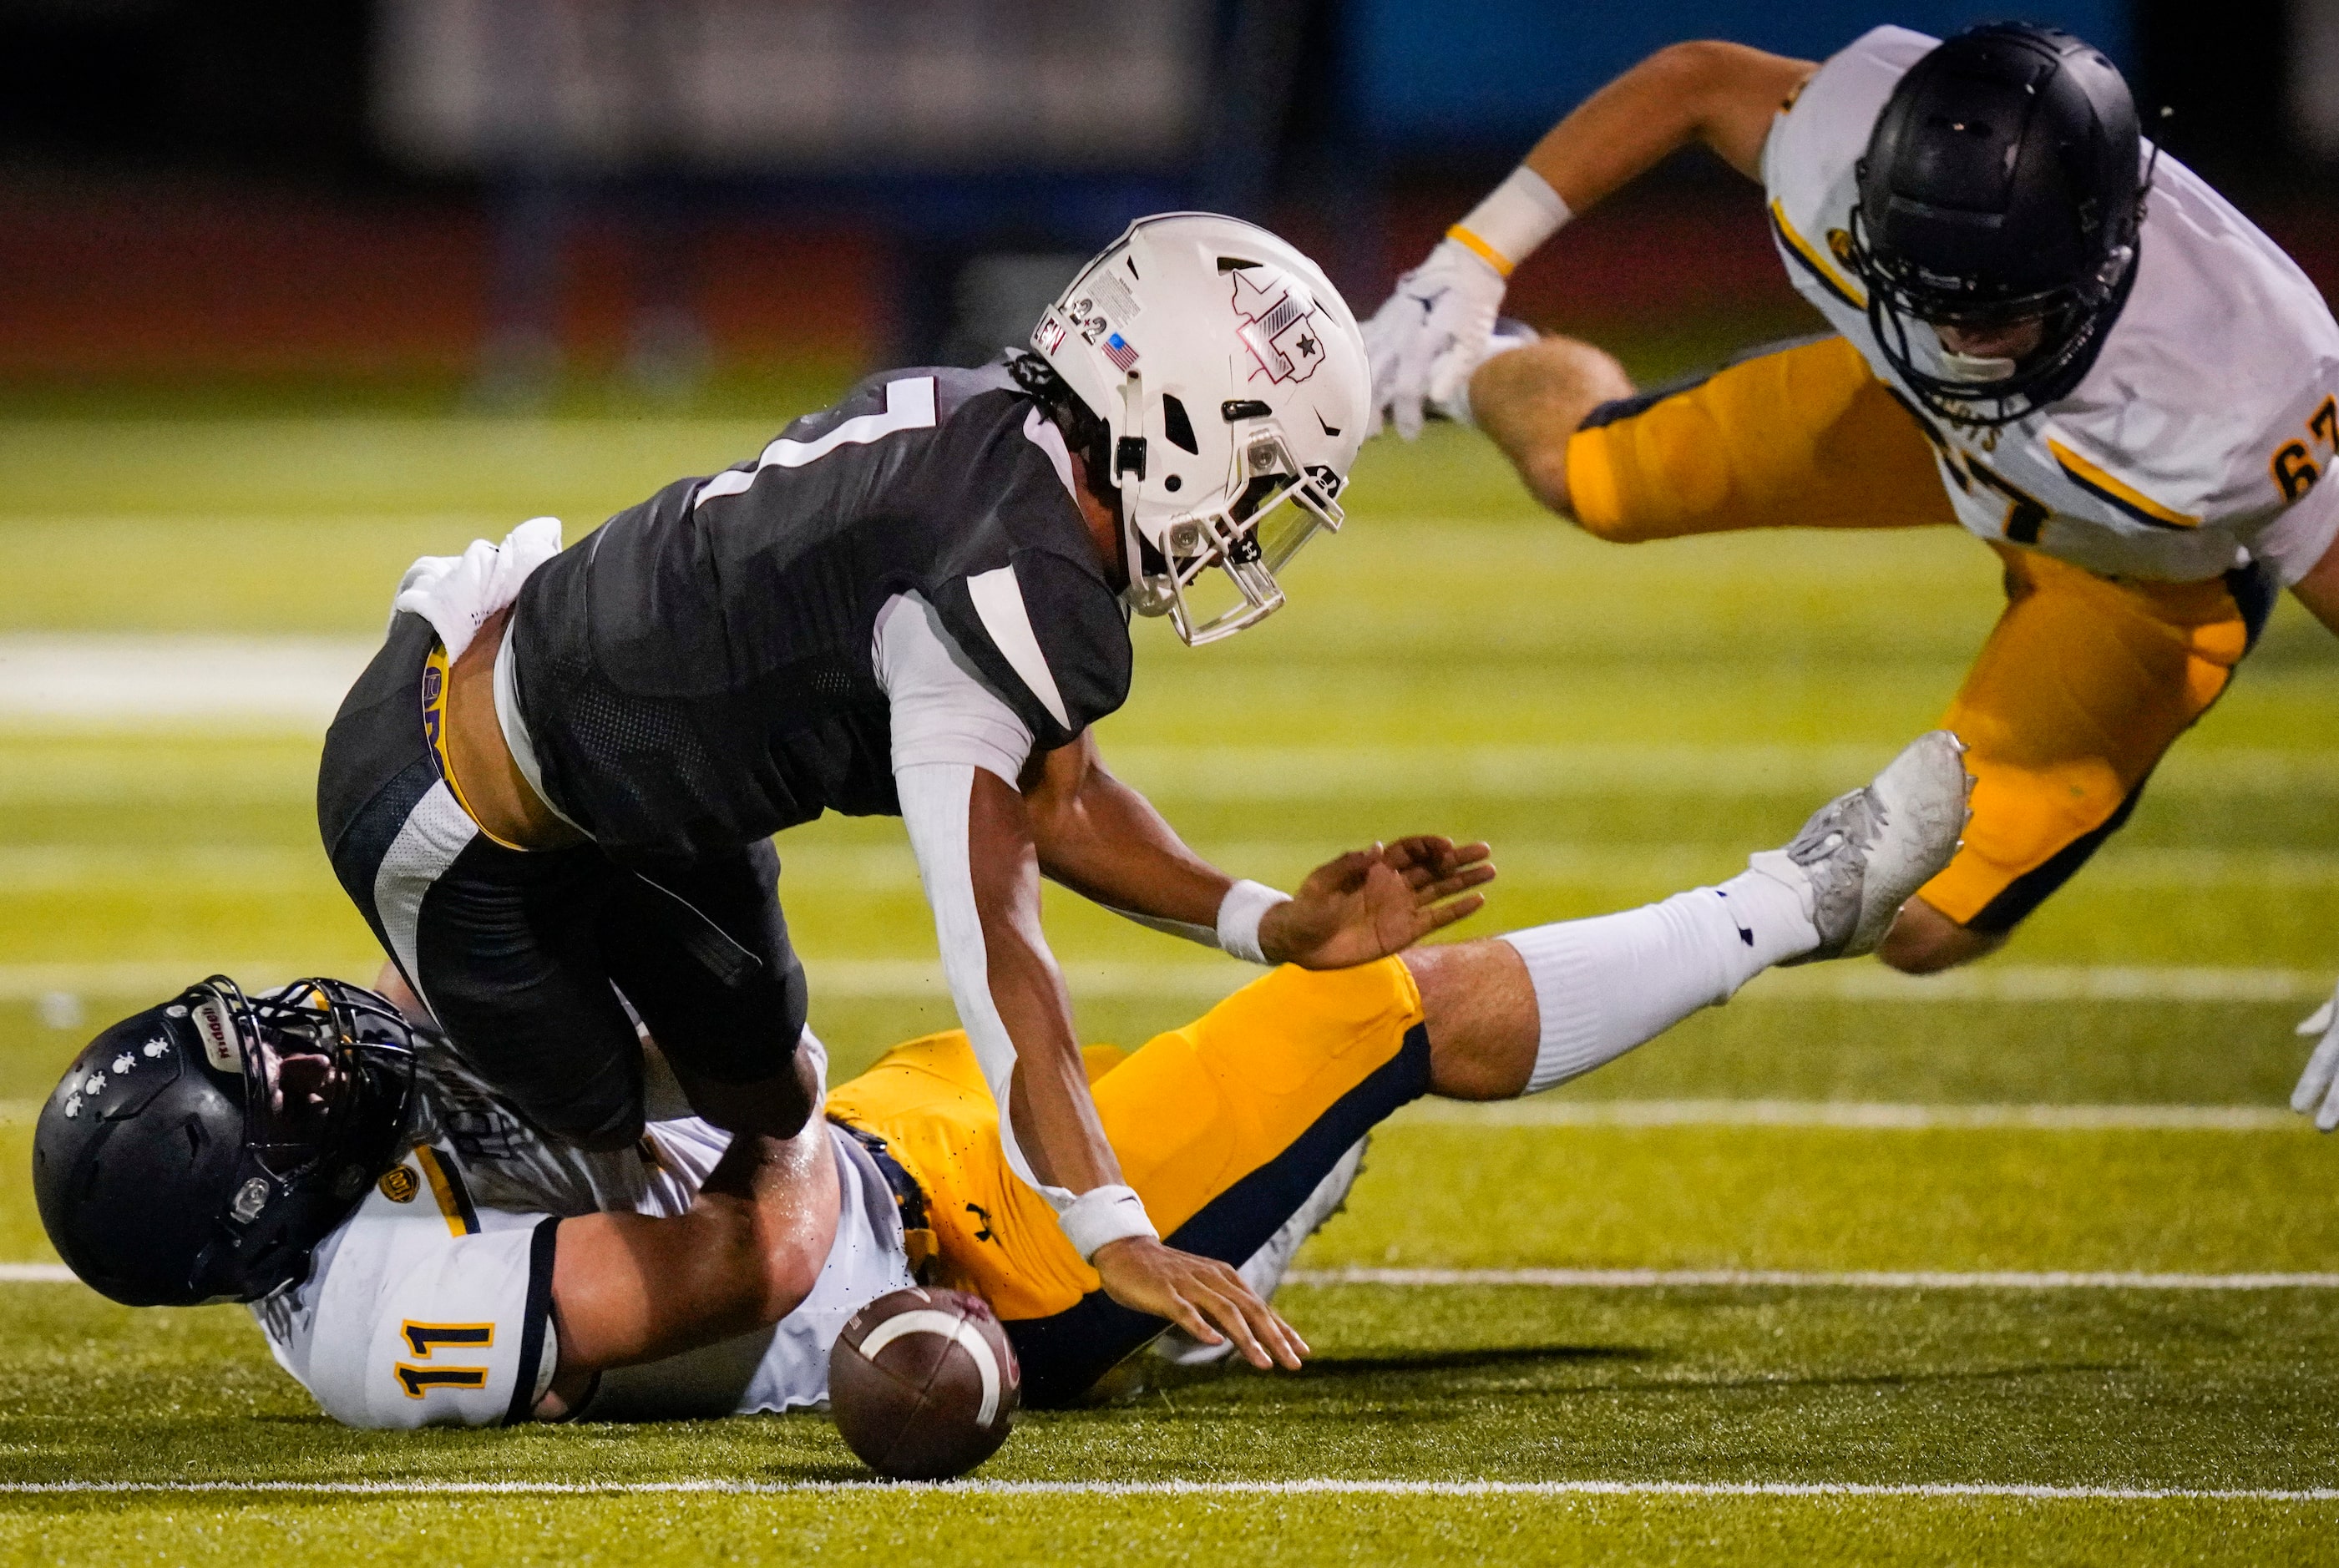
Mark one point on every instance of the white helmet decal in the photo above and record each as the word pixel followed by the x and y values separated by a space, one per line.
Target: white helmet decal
pixel 1280 327
pixel 1233 384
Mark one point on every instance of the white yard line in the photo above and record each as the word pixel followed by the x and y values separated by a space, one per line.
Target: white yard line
pixel 1852 1116
pixel 1856 1116
pixel 1330 1486
pixel 295 684
pixel 288 681
pixel 1675 1278
pixel 1209 980
pixel 1805 1279
pixel 892 869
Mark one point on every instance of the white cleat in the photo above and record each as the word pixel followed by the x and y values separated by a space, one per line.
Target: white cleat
pixel 1862 855
pixel 1264 1269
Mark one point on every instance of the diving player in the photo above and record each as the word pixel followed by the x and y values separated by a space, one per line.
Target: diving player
pixel 417 1252
pixel 556 785
pixel 2040 329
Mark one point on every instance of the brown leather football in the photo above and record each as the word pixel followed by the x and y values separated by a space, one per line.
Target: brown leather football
pixel 923 1384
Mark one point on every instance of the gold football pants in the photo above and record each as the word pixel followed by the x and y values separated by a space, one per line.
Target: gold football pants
pixel 2082 687
pixel 1224 1127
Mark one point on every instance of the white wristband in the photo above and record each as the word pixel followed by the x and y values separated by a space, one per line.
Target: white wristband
pixel 1517 216
pixel 1102 1214
pixel 1240 912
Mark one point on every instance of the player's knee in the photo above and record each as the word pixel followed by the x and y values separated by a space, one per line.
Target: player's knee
pixel 603 1114
pixel 1544 471
pixel 1924 940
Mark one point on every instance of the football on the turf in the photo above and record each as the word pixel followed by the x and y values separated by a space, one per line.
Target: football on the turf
pixel 924 1383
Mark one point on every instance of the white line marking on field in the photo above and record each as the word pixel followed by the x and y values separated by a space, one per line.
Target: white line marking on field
pixel 286 680
pixel 30 982
pixel 1329 1487
pixel 1857 1116
pixel 1805 1279
pixel 297 683
pixel 1670 1279
pixel 891 868
pixel 1208 981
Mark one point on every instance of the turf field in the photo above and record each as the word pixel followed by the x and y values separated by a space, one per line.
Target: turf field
pixel 1854 1268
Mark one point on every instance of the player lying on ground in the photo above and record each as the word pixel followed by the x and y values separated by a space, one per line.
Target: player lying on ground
pixel 2040 330
pixel 417 1253
pixel 563 772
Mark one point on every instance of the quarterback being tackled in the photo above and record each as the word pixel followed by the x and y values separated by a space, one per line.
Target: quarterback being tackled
pixel 417 1253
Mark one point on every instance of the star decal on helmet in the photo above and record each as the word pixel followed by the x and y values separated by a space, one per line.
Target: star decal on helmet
pixel 1280 326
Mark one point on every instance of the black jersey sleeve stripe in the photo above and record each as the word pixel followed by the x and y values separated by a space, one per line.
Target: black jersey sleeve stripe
pixel 538 1312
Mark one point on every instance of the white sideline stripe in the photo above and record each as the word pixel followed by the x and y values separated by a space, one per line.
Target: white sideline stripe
pixel 1190 981
pixel 1857 1116
pixel 1806 1279
pixel 1328 1486
pixel 36 1274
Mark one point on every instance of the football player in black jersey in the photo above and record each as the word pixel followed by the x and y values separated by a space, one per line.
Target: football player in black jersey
pixel 553 792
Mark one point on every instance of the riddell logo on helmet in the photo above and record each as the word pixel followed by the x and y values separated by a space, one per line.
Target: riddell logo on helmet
pixel 221 1045
pixel 1280 326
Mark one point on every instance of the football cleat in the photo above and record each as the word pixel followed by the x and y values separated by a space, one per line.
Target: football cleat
pixel 1265 1268
pixel 1864 854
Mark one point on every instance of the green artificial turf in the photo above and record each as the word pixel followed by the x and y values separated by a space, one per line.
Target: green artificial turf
pixel 1619 723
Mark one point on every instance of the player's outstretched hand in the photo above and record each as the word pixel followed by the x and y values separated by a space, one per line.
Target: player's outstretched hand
pixel 2317 1094
pixel 1371 902
pixel 1431 333
pixel 1203 1296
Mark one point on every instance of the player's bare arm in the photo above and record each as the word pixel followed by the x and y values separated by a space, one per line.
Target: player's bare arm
pixel 1053 1115
pixel 631 1288
pixel 1435 331
pixel 1717 94
pixel 1102 839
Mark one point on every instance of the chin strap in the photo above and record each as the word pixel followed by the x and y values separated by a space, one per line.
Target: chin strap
pixel 1128 479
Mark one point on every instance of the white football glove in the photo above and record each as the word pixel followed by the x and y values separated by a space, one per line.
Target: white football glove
pixel 2318 1086
pixel 1431 334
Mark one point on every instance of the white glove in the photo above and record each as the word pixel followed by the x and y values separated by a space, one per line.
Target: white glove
pixel 2318 1092
pixel 456 593
pixel 1431 334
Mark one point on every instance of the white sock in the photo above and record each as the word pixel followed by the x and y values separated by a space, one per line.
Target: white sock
pixel 1604 985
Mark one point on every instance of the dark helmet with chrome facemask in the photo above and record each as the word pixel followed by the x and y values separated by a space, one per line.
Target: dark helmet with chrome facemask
pixel 200 1150
pixel 2001 184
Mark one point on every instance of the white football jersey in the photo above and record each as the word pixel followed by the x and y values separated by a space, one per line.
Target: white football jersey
pixel 431 1305
pixel 2195 442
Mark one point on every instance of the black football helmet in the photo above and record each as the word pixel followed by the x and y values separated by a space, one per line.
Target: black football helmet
pixel 172 1166
pixel 2000 185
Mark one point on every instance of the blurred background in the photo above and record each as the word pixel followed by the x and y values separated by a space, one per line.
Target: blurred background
pixel 508 204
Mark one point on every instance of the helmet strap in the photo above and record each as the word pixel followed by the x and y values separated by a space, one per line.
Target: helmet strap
pixel 1144 596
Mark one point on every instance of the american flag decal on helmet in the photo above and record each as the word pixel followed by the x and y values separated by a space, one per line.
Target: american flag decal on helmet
pixel 1117 350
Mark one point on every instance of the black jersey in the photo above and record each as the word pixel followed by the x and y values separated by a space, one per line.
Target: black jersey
pixel 699 673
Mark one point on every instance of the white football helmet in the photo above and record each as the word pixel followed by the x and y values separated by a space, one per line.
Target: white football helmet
pixel 1233 381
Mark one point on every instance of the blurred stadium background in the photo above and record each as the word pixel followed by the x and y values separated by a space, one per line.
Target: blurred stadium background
pixel 509 198
pixel 292 294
